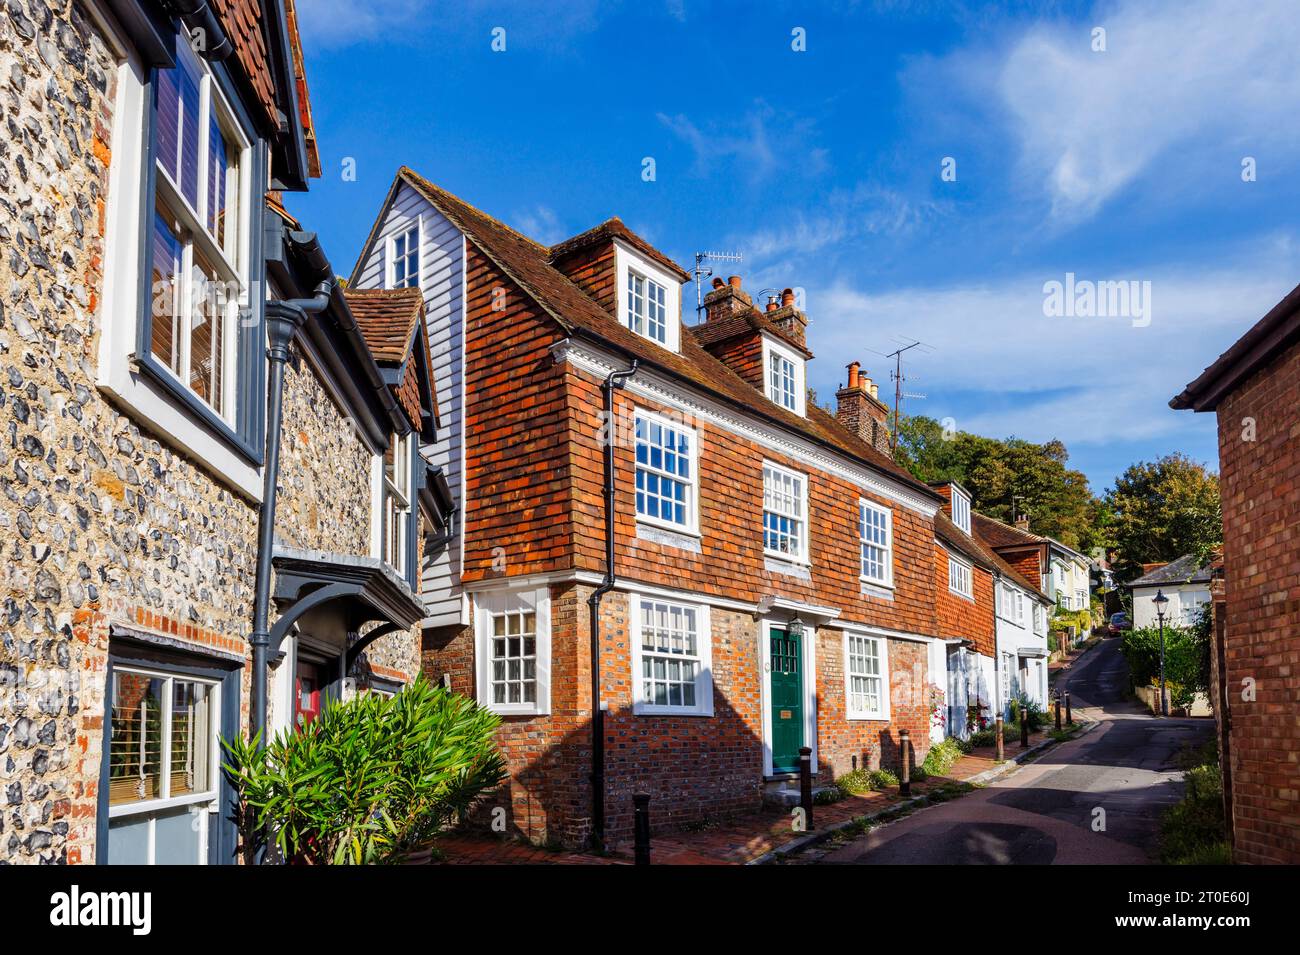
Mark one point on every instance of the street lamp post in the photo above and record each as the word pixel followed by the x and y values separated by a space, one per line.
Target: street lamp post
pixel 1161 602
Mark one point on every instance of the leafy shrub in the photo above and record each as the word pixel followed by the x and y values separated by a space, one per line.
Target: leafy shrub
pixel 1030 710
pixel 856 783
pixel 942 757
pixel 1187 669
pixel 862 781
pixel 368 779
pixel 1192 832
pixel 829 794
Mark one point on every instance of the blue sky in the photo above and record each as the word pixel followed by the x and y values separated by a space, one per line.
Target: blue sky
pixel 823 168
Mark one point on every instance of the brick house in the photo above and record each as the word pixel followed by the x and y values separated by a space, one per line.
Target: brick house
pixel 1254 387
pixel 175 349
pixel 772 576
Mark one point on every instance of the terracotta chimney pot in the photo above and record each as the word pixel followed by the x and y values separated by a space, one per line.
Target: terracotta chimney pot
pixel 771 303
pixel 734 281
pixel 718 283
pixel 853 373
pixel 787 297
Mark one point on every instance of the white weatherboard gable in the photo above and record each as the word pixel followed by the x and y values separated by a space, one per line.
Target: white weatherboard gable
pixel 442 279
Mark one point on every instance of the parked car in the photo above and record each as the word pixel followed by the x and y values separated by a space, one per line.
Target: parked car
pixel 1118 623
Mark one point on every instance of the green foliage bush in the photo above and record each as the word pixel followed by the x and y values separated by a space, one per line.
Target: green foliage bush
pixel 1187 670
pixel 368 779
pixel 942 757
pixel 1192 832
pixel 862 781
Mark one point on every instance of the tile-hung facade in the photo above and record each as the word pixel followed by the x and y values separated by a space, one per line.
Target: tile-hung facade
pixel 1254 388
pixel 773 582
pixel 146 272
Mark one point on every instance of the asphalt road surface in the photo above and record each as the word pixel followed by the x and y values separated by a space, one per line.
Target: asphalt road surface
pixel 1096 799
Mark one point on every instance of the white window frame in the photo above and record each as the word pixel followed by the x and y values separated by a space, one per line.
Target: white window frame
pixel 805 523
pixel 194 236
pixel 390 253
pixel 704 656
pixel 1040 623
pixel 882 652
pixel 692 524
pixel 963 571
pixel 1011 607
pixel 205 804
pixel 396 499
pixel 888 579
pixel 771 349
pixel 121 308
pixel 486 605
pixel 626 260
pixel 961 509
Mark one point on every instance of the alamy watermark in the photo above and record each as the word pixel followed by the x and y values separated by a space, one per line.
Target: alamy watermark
pixel 1085 298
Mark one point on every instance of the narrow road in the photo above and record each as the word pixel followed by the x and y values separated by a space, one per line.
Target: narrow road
pixel 1097 799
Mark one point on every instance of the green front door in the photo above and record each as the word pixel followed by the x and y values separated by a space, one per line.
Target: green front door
pixel 786 700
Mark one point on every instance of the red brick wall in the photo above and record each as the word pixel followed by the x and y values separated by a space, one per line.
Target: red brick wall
pixel 873 742
pixel 1260 485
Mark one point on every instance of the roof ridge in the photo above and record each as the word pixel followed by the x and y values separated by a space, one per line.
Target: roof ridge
pixel 1011 527
pixel 426 184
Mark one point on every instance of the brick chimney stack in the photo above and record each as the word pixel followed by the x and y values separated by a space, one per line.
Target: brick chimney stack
pixel 1022 523
pixel 726 299
pixel 789 320
pixel 859 409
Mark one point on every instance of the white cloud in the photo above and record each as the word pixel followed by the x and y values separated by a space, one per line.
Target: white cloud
pixel 746 142
pixel 1088 123
pixel 541 224
pixel 993 344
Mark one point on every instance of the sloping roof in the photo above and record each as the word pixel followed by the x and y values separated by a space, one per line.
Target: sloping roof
pixel 304 95
pixel 980 551
pixel 615 229
pixel 1185 570
pixel 745 323
pixel 997 534
pixel 527 264
pixel 1261 344
pixel 389 320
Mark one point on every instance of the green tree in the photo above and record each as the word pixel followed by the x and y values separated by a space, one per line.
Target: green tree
pixel 1005 477
pixel 1161 510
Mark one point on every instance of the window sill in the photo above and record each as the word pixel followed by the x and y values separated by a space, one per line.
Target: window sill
pixel 661 532
pixel 144 395
pixel 873 589
pixel 958 593
pixel 508 710
pixel 645 709
pixel 783 565
pixel 867 717
pixel 194 405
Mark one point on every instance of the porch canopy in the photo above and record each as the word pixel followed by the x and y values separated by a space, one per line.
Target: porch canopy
pixel 360 589
pixel 1032 651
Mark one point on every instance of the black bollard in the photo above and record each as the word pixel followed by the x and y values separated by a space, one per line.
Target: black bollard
pixel 905 751
pixel 1058 713
pixel 805 785
pixel 1069 716
pixel 1024 728
pixel 641 828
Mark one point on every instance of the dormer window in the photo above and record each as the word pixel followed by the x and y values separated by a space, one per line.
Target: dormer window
pixel 647 312
pixel 784 376
pixel 649 298
pixel 961 509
